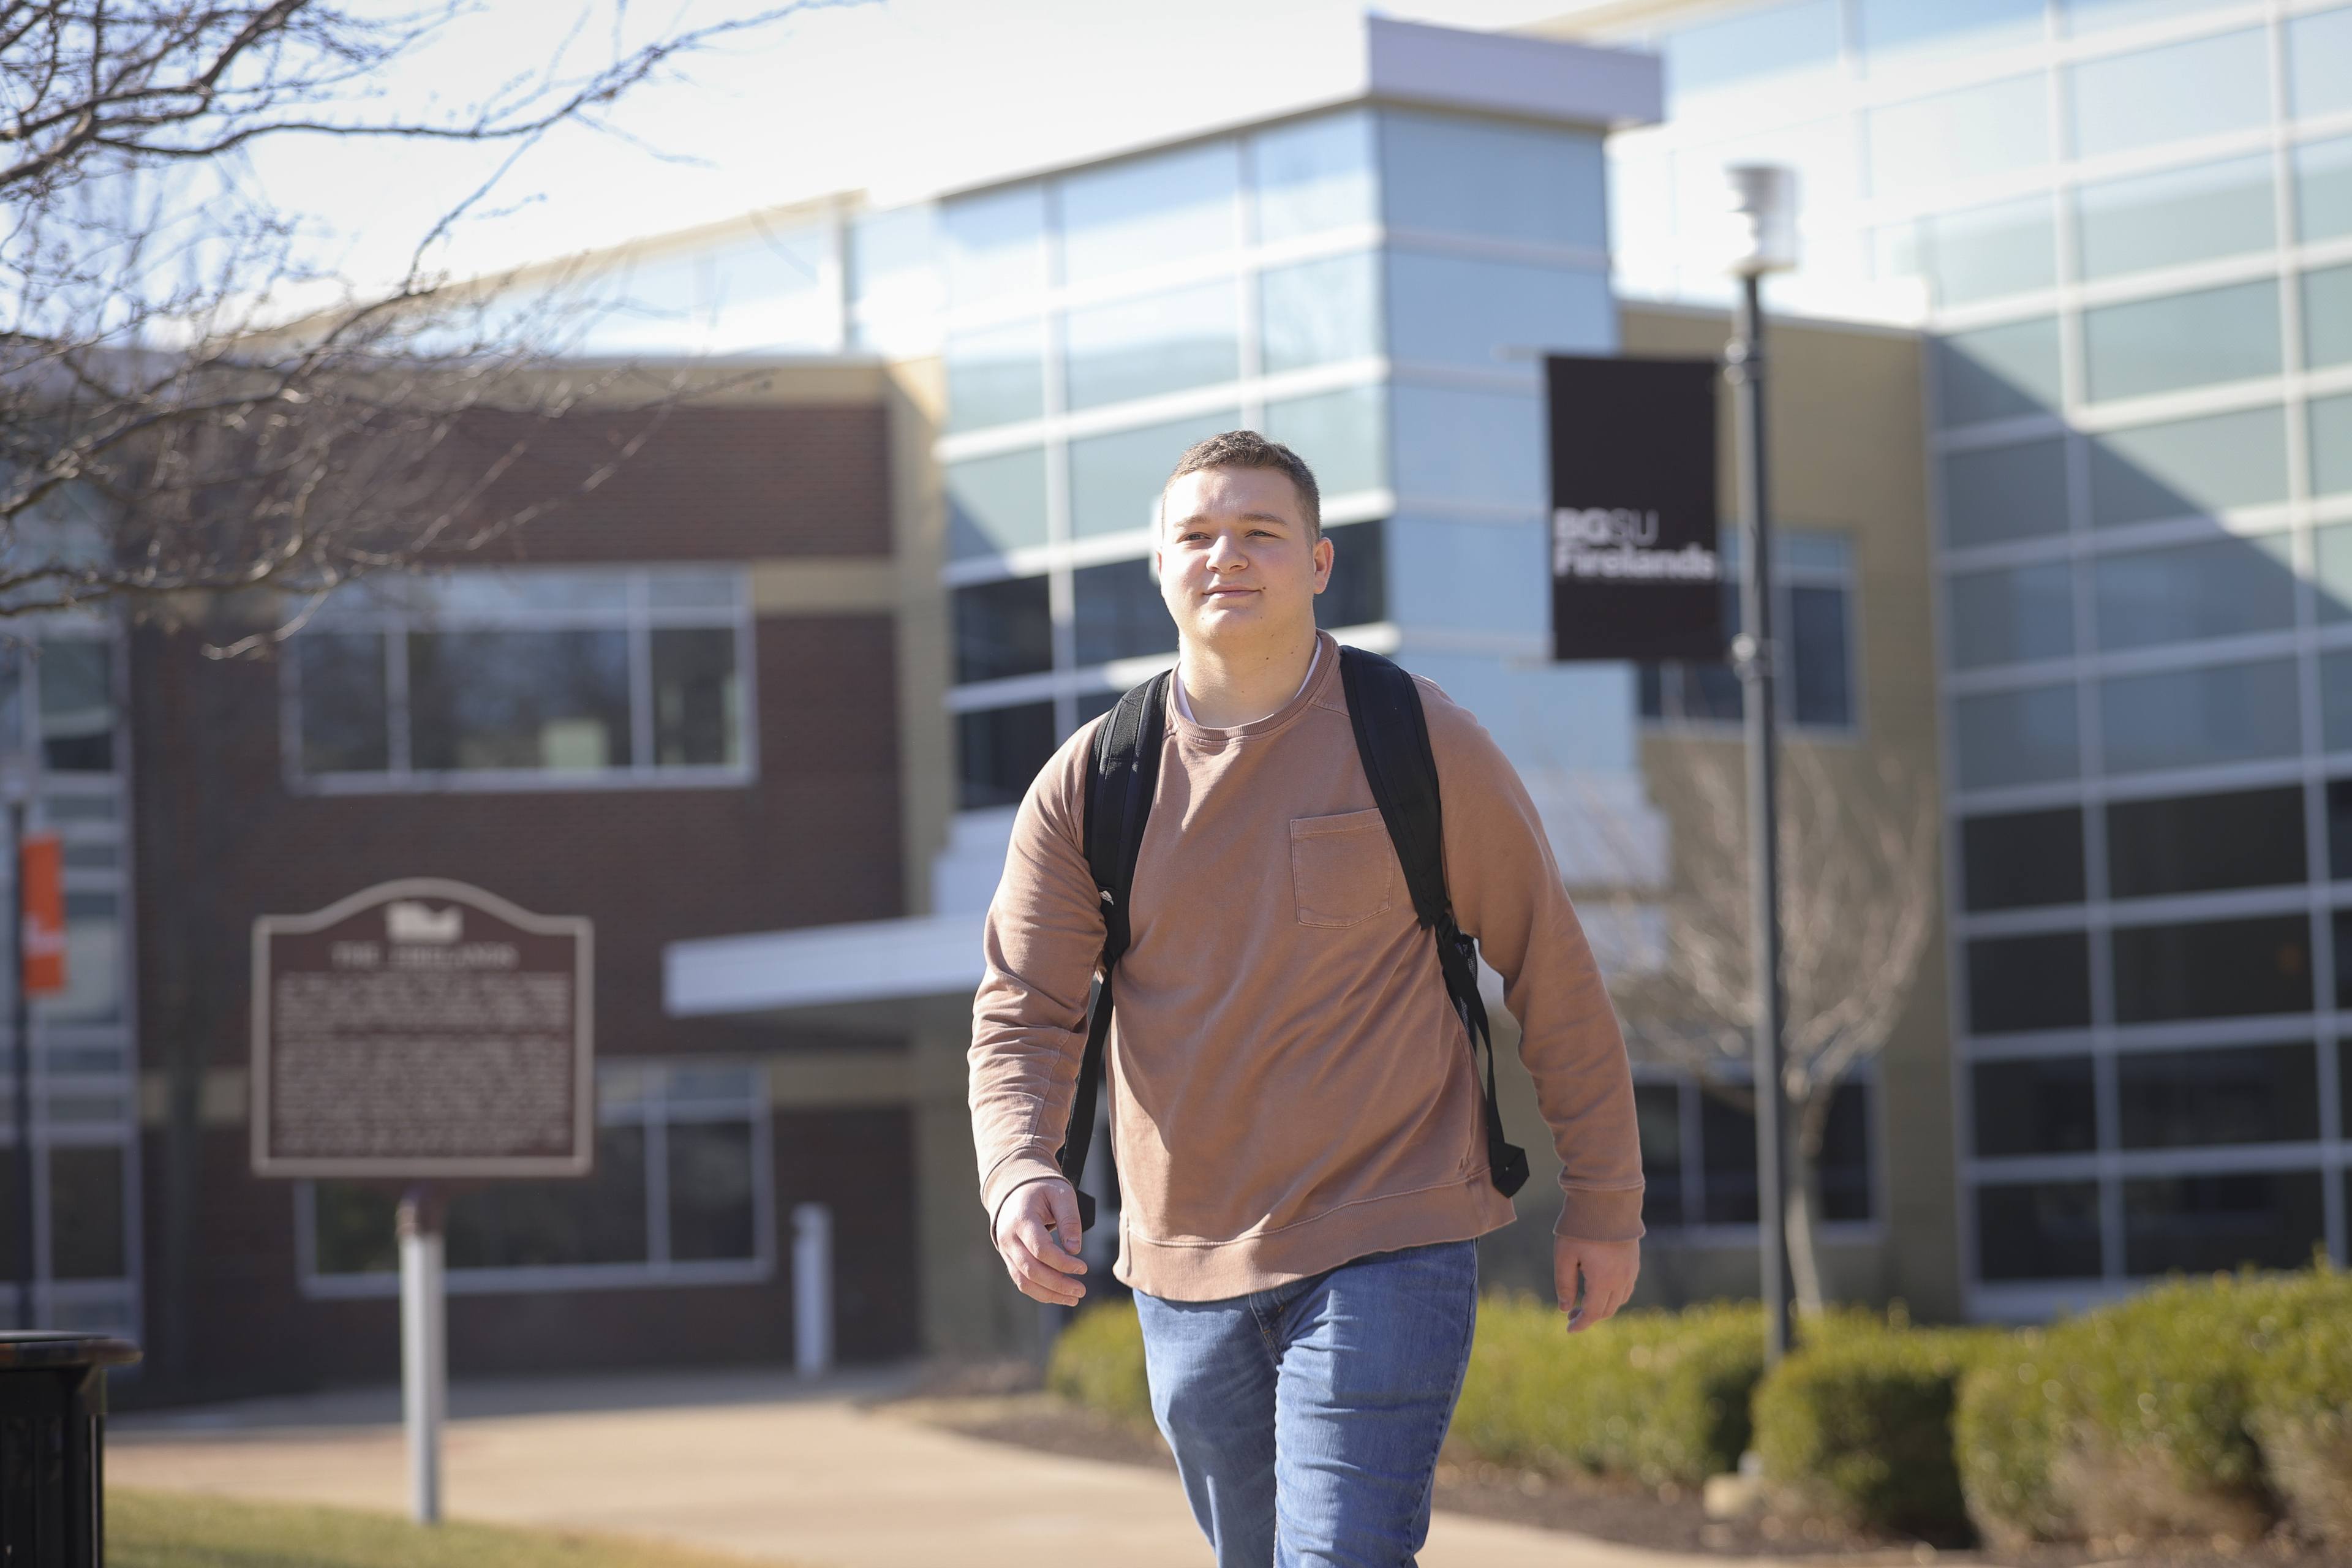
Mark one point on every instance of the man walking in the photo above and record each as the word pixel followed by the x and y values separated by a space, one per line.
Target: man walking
pixel 1296 1116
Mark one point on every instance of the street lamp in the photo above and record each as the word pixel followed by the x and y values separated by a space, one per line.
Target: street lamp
pixel 1761 200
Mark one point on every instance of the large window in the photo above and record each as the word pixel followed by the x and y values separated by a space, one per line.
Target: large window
pixel 682 1192
pixel 508 679
pixel 1815 617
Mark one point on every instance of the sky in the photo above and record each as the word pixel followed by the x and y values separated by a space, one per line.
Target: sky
pixel 894 97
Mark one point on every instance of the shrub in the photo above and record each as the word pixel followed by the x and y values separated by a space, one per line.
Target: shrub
pixel 1657 1397
pixel 1856 1427
pixel 1098 1360
pixel 2301 1421
pixel 2134 1420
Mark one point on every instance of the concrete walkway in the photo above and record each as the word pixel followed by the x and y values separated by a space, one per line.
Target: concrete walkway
pixel 752 1463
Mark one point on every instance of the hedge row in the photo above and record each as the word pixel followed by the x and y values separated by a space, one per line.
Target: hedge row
pixel 2205 1408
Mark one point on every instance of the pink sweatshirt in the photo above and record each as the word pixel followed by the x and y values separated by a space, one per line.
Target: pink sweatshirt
pixel 1290 1088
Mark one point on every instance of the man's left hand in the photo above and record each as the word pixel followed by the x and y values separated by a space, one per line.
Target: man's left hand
pixel 1609 1267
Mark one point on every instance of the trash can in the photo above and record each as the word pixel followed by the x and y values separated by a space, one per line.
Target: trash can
pixel 52 1446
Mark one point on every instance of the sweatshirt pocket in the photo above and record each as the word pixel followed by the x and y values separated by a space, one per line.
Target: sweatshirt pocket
pixel 1342 870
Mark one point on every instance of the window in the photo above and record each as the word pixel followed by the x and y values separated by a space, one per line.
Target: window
pixel 1893 31
pixel 2218 587
pixel 1003 629
pixel 2336 700
pixel 2237 1094
pixel 1997 372
pixel 993 244
pixel 1140 212
pixel 1714 1183
pixel 1814 588
pixel 2202 88
pixel 996 376
pixel 1993 129
pixel 508 675
pixel 2003 493
pixel 2342 939
pixel 2331 445
pixel 1357 593
pixel 2319 62
pixel 1161 342
pixel 77 690
pixel 1983 253
pixel 2327 317
pixel 2339 840
pixel 2012 614
pixel 2037 1230
pixel 2333 576
pixel 1313 175
pixel 2212 969
pixel 2082 17
pixel 1750 49
pixel 2201 843
pixel 2323 189
pixel 1319 312
pixel 1119 612
pixel 702 1128
pixel 2043 1105
pixel 996 503
pixel 2016 737
pixel 1115 480
pixel 2185 467
pixel 2177 216
pixel 1538 185
pixel 2182 340
pixel 1464 311
pixel 999 750
pixel 1342 435
pixel 2207 1223
pixel 2024 860
pixel 2022 982
pixel 2192 717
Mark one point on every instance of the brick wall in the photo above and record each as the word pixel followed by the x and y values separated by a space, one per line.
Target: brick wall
pixel 814 839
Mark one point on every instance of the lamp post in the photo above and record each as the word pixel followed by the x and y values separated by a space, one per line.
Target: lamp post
pixel 15 794
pixel 1762 202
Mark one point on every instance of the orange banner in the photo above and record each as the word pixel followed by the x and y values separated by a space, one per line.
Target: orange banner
pixel 39 874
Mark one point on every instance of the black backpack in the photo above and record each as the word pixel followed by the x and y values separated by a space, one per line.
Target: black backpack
pixel 1393 741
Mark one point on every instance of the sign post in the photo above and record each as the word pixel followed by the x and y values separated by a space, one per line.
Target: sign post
pixel 423 1031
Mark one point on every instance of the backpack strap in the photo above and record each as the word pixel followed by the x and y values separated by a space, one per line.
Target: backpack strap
pixel 1393 740
pixel 1124 775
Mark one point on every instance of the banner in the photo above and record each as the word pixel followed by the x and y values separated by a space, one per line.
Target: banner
pixel 1634 569
pixel 40 864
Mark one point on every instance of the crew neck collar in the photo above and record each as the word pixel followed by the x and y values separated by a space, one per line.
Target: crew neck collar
pixel 1321 667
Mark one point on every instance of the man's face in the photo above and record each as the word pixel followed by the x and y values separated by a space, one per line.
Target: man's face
pixel 1235 560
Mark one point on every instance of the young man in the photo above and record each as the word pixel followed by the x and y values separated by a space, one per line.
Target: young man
pixel 1295 1114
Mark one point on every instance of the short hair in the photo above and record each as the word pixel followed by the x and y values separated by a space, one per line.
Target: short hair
pixel 1248 450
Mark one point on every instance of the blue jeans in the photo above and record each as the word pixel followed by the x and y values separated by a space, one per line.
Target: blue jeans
pixel 1306 1419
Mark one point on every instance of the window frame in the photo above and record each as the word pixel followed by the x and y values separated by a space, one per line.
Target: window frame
pixel 1692 1234
pixel 637 617
pixel 654 1109
pixel 1788 575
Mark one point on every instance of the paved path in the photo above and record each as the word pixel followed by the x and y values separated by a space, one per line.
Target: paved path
pixel 751 1463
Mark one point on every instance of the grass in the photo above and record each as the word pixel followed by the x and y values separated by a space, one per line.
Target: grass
pixel 175 1530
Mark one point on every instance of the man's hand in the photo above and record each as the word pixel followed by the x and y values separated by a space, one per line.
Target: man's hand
pixel 1609 1269
pixel 1037 1236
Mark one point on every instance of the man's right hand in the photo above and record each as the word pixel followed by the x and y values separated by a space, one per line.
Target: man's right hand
pixel 1037 1236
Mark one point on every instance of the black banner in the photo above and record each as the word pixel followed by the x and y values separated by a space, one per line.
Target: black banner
pixel 1634 569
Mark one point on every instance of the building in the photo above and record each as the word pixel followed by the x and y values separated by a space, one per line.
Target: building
pixel 2126 225
pixel 2058 532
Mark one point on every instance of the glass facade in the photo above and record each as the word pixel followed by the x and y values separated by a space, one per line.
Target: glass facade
pixel 1347 283
pixel 61 699
pixel 2127 226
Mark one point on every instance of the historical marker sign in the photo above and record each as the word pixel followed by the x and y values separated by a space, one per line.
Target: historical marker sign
pixel 422 1028
pixel 1634 569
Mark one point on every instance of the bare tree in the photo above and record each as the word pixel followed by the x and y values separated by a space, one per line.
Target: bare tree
pixel 189 403
pixel 1858 905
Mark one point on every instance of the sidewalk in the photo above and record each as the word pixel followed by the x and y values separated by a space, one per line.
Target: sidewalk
pixel 754 1463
